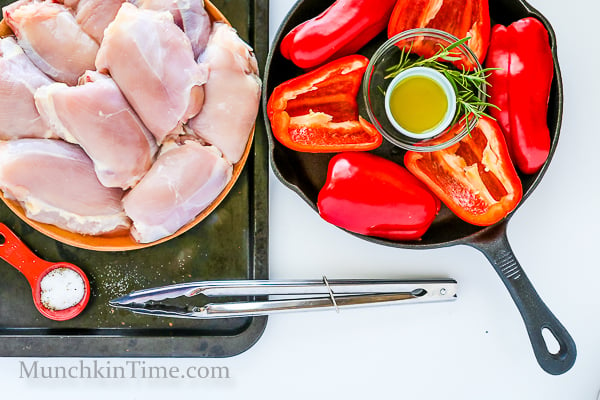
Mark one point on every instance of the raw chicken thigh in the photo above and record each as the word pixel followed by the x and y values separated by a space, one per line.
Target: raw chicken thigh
pixel 232 94
pixel 158 75
pixel 50 36
pixel 183 181
pixel 95 15
pixel 55 183
pixel 96 116
pixel 189 15
pixel 19 79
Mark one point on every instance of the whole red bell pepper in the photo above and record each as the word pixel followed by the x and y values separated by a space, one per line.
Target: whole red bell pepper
pixel 461 18
pixel 341 30
pixel 373 196
pixel 520 87
pixel 317 112
pixel 475 178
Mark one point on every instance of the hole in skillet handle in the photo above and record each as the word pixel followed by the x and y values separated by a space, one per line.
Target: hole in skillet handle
pixel 552 343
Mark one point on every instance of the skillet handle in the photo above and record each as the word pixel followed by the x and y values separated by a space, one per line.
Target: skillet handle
pixel 493 243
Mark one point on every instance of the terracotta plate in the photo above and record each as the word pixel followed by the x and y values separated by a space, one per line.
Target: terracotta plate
pixel 125 241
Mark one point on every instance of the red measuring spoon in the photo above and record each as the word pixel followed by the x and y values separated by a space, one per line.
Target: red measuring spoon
pixel 16 253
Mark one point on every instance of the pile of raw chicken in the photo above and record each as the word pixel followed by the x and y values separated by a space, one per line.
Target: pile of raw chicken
pixel 119 115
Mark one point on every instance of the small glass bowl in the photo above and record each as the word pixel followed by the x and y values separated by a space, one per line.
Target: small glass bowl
pixel 376 83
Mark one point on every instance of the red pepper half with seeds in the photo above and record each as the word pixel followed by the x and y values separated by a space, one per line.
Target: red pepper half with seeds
pixel 520 87
pixel 373 196
pixel 341 30
pixel 317 112
pixel 461 18
pixel 475 178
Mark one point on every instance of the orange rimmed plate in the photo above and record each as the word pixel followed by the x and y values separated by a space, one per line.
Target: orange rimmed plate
pixel 123 241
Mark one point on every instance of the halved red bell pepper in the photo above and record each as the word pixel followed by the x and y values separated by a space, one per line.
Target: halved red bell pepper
pixel 342 29
pixel 475 178
pixel 520 87
pixel 373 196
pixel 317 112
pixel 461 18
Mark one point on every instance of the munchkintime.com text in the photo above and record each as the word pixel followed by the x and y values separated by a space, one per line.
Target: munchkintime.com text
pixel 120 369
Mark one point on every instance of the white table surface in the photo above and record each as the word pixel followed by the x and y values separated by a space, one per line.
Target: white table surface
pixel 474 348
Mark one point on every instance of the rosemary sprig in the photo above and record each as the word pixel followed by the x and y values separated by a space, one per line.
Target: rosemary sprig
pixel 465 83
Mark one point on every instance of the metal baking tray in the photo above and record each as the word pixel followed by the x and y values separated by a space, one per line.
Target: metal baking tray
pixel 232 243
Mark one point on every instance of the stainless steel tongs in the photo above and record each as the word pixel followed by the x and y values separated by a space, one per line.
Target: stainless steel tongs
pixel 313 295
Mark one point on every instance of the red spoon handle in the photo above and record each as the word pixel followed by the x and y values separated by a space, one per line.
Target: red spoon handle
pixel 17 254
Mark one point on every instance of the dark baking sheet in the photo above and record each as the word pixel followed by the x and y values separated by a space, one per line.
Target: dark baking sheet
pixel 230 244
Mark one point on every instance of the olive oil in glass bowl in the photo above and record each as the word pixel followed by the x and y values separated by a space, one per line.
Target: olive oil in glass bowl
pixel 420 102
pixel 408 108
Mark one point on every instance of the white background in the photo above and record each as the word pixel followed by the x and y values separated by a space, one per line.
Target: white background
pixel 474 348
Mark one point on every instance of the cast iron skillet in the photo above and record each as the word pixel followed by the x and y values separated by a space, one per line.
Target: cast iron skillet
pixel 305 174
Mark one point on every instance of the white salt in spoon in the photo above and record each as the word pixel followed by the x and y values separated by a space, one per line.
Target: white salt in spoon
pixel 64 287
